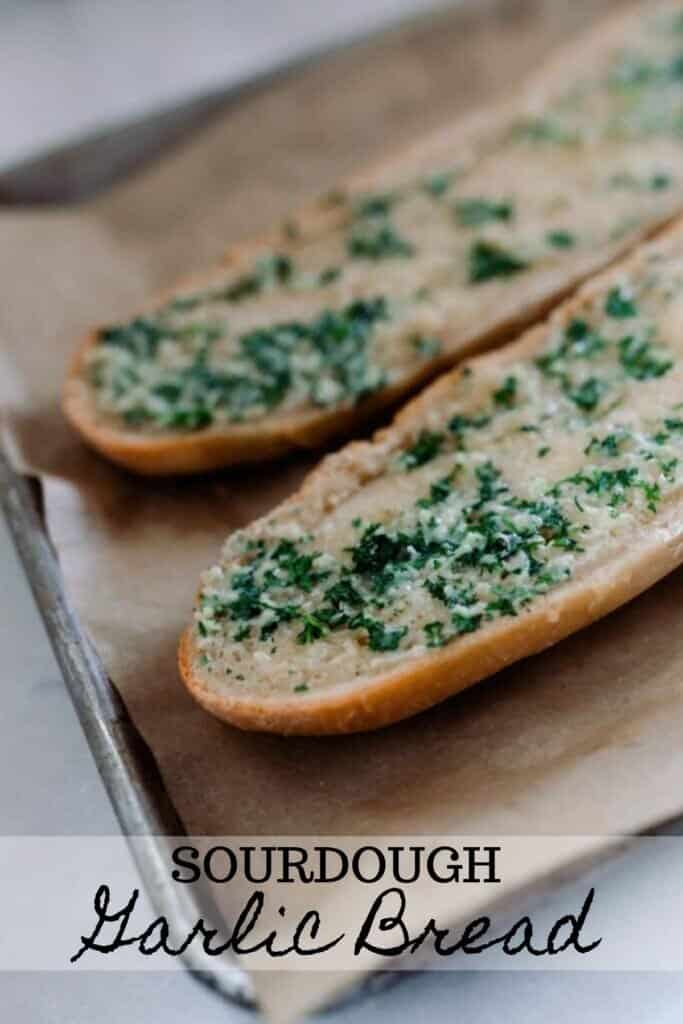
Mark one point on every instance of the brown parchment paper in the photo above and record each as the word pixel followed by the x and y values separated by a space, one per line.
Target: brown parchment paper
pixel 583 739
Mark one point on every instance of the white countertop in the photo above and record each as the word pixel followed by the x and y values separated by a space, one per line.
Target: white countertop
pixel 61 73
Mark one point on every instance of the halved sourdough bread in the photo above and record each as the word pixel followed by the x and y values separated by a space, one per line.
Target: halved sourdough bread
pixel 441 252
pixel 516 500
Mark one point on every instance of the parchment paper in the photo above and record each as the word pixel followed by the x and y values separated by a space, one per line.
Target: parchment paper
pixel 583 739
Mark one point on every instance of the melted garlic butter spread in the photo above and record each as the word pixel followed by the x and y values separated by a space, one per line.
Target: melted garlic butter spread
pixel 422 268
pixel 525 474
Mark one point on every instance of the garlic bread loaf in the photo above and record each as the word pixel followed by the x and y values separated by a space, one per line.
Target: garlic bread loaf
pixel 516 500
pixel 440 253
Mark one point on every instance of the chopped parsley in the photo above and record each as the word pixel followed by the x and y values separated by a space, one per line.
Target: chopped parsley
pixel 426 447
pixel 560 239
pixel 488 260
pixel 313 629
pixel 461 423
pixel 378 241
pixel 641 360
pixel 378 205
pixel 381 637
pixel 141 337
pixel 373 237
pixel 438 184
pixel 439 491
pixel 610 445
pixel 620 304
pixel 588 394
pixel 275 268
pixel 615 484
pixel 472 212
pixel 434 634
pixel 329 275
pixel 656 182
pixel 506 394
pixel 659 181
pixel 377 554
pixel 579 342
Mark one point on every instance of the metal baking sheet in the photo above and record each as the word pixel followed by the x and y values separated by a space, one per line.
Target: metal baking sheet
pixel 125 763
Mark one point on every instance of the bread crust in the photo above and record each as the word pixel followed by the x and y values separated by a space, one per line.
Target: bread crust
pixel 369 703
pixel 277 434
